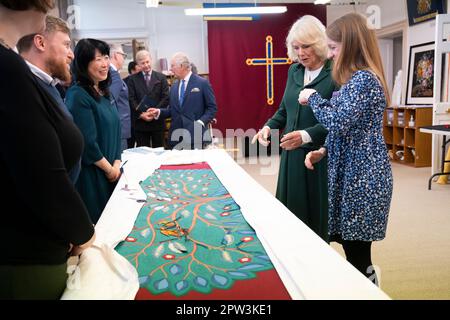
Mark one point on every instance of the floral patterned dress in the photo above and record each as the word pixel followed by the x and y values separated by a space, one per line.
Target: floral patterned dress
pixel 359 172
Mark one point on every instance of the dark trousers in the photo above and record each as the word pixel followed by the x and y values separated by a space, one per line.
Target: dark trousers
pixel 132 140
pixel 359 254
pixel 153 139
pixel 32 282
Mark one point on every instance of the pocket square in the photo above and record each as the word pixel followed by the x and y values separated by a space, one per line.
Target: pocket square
pixel 195 90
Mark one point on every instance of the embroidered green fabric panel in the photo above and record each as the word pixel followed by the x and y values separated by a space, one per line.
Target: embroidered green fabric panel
pixel 190 235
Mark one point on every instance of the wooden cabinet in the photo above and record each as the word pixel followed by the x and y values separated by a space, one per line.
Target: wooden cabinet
pixel 405 142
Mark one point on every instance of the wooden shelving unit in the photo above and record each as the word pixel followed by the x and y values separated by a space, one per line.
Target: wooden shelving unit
pixel 406 144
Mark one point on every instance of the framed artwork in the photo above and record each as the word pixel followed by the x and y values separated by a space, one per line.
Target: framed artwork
pixel 424 10
pixel 419 85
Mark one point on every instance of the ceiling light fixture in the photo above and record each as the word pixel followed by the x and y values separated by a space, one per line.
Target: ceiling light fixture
pixel 235 10
pixel 322 1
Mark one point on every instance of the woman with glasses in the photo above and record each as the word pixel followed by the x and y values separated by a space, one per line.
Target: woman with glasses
pixel 96 115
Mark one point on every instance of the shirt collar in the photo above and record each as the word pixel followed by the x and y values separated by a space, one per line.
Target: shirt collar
pixel 113 67
pixel 42 74
pixel 317 71
pixel 188 76
pixel 150 73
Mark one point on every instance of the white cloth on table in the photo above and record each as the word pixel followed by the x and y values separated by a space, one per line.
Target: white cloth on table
pixel 100 273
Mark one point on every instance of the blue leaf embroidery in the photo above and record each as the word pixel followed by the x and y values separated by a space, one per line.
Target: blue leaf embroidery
pixel 220 280
pixel 175 269
pixel 251 267
pixel 181 285
pixel 202 282
pixel 162 284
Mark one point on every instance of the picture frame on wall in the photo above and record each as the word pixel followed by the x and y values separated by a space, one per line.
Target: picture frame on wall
pixel 424 10
pixel 420 82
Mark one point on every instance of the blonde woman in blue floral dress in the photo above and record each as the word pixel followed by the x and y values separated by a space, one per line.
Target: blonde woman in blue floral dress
pixel 359 172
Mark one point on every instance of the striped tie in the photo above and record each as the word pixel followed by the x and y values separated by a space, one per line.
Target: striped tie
pixel 147 79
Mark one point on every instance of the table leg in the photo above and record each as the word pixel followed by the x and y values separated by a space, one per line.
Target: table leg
pixel 442 173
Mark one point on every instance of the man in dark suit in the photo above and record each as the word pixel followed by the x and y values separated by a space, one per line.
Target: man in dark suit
pixel 153 85
pixel 119 92
pixel 48 55
pixel 192 107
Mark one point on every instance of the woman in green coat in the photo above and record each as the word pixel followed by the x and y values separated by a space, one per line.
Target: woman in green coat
pixel 302 191
pixel 96 115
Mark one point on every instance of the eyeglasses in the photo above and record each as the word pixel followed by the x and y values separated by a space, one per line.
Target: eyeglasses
pixel 123 54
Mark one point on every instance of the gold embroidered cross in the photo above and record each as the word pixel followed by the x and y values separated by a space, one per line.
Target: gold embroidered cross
pixel 269 62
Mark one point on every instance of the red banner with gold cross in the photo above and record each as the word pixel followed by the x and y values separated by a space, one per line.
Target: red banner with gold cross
pixel 248 65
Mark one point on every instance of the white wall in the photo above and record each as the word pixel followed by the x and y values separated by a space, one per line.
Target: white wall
pixel 423 32
pixel 173 31
pixel 111 19
pixel 391 11
pixel 165 30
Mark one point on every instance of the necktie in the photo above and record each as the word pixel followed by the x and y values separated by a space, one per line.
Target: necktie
pixel 147 80
pixel 182 89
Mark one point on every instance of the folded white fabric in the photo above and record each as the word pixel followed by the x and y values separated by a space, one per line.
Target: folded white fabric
pixel 101 274
pixel 180 157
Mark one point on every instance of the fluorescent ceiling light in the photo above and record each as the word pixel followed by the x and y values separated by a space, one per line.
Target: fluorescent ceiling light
pixel 322 1
pixel 236 10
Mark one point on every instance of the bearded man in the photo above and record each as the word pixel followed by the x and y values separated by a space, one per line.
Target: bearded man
pixel 49 55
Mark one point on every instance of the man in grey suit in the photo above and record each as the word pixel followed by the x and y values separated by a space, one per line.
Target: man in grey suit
pixel 119 92
pixel 147 85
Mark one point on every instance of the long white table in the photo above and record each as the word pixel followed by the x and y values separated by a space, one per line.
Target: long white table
pixel 308 267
